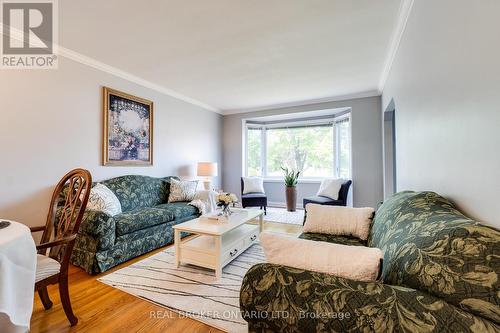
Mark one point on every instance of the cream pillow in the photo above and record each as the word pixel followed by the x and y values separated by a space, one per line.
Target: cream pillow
pixel 330 188
pixel 335 259
pixel 102 199
pixel 253 185
pixel 182 190
pixel 339 220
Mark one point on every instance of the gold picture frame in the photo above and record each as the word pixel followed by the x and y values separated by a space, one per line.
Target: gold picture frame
pixel 127 129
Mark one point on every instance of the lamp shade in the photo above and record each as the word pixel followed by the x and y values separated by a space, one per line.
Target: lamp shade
pixel 207 169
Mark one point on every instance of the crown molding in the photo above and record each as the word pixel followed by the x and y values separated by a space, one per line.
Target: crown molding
pixel 371 93
pixel 88 61
pixel 84 60
pixel 397 35
pixel 400 26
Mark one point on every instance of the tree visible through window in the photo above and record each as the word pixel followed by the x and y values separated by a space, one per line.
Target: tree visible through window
pixel 308 149
pixel 317 150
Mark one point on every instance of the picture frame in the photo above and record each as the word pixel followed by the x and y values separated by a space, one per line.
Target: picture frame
pixel 127 129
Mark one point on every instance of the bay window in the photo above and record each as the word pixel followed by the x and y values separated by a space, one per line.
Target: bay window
pixel 318 149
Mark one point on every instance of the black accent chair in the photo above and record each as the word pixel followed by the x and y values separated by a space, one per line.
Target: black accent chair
pixel 321 200
pixel 256 199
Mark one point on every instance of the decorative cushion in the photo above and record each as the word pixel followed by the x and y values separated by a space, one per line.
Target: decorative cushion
pixel 181 190
pixel 339 220
pixel 330 188
pixel 253 185
pixel 45 267
pixel 102 199
pixel 140 218
pixel 335 259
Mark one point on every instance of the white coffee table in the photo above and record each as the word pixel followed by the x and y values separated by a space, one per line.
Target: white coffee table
pixel 216 244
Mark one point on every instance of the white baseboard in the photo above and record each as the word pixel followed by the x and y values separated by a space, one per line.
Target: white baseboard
pixel 282 205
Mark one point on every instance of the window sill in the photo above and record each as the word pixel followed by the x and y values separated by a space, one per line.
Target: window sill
pixel 300 181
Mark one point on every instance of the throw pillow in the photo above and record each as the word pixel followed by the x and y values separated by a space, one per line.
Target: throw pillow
pixel 253 185
pixel 339 220
pixel 330 188
pixel 182 190
pixel 324 257
pixel 101 198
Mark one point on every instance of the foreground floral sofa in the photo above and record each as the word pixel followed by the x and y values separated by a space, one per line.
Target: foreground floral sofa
pixel 440 274
pixel 144 225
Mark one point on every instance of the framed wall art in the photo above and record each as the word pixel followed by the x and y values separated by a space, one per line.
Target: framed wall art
pixel 128 129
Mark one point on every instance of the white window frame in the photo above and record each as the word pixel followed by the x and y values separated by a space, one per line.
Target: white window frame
pixel 263 152
pixel 336 162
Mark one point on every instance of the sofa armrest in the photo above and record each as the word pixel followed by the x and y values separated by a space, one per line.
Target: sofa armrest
pixel 99 226
pixel 285 299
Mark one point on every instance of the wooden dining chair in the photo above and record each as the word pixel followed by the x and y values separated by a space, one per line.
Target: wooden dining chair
pixel 63 221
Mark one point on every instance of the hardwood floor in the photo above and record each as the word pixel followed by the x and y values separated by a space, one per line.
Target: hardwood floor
pixel 101 308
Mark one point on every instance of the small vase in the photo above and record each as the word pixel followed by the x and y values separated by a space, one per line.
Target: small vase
pixel 291 198
pixel 226 210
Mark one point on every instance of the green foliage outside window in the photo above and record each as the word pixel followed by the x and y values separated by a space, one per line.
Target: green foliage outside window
pixel 306 149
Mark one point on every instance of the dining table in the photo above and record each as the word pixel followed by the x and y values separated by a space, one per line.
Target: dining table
pixel 17 276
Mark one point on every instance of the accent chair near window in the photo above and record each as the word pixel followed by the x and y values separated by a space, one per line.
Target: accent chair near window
pixel 253 199
pixel 324 200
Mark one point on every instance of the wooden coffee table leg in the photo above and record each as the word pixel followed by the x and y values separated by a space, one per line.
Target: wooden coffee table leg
pixel 261 222
pixel 177 243
pixel 218 251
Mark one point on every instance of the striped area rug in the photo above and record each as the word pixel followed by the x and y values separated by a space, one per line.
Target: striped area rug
pixel 190 291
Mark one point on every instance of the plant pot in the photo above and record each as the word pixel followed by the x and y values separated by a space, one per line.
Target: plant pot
pixel 291 198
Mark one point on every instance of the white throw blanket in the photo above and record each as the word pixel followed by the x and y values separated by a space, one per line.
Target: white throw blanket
pixel 351 262
pixel 205 201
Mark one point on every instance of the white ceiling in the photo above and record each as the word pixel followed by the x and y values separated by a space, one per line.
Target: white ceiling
pixel 237 55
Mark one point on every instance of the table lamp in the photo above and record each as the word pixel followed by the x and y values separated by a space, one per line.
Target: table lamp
pixel 208 170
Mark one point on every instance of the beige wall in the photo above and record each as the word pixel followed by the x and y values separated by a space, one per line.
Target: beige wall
pixel 445 83
pixel 51 122
pixel 366 151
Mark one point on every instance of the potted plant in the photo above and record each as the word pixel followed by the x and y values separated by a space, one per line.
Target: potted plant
pixel 291 178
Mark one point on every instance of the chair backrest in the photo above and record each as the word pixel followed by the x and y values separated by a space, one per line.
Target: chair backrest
pixel 344 191
pixel 66 211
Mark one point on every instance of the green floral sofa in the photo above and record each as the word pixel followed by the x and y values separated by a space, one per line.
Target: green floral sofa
pixel 144 225
pixel 440 274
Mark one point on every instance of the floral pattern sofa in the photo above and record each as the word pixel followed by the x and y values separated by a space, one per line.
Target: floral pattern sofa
pixel 440 274
pixel 145 223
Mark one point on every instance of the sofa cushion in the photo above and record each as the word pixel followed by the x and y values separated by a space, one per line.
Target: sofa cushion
pixel 179 210
pixel 140 218
pixel 345 240
pixel 335 304
pixel 253 195
pixel 136 191
pixel 429 245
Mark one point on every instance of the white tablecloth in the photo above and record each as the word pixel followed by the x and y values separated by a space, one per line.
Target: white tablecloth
pixel 17 277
